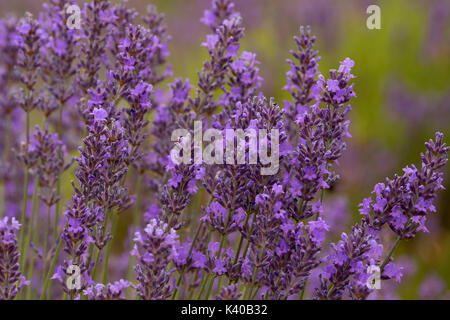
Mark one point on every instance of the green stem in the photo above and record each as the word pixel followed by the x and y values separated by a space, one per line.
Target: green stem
pixel 5 161
pixel 35 239
pixel 58 183
pixel 23 218
pixel 254 294
pixel 50 270
pixel 204 281
pixel 241 241
pixel 197 210
pixel 34 201
pixel 202 285
pixel 302 294
pixel 388 257
pixel 222 243
pixel 244 254
pixel 322 192
pixel 57 211
pixel 189 255
pixel 47 234
pixel 219 284
pixel 29 233
pixel 97 262
pixel 191 295
pixel 25 192
pixel 136 220
pixel 137 208
pixel 115 220
pixel 249 289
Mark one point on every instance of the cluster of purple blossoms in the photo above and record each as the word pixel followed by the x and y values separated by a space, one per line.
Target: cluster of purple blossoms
pixel 402 204
pixel 11 279
pixel 316 132
pixel 154 248
pixel 302 78
pixel 50 163
pixel 223 46
pixel 199 230
pixel 111 291
pixel 29 39
pixel 95 16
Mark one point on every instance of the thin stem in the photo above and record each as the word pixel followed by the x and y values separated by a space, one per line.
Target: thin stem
pixel 191 295
pixel 25 192
pixel 222 243
pixel 34 201
pixel 322 192
pixel 5 161
pixel 50 270
pixel 388 257
pixel 58 183
pixel 99 252
pixel 204 281
pixel 202 285
pixel 28 236
pixel 57 211
pixel 219 284
pixel 189 255
pixel 137 208
pixel 197 210
pixel 35 239
pixel 331 290
pixel 241 240
pixel 47 234
pixel 249 289
pixel 115 222
pixel 97 262
pixel 254 294
pixel 302 294
pixel 136 220
pixel 247 246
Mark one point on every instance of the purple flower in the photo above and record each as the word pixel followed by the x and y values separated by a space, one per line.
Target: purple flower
pixel 402 203
pixel 213 247
pixel 392 271
pixel 332 85
pixel 208 18
pixel 219 267
pixel 211 42
pixel 230 292
pixel 199 260
pixel 100 114
pixel 11 280
pixel 156 241
pixel 365 207
pixel 221 11
pixel 60 47
pixel 111 291
pixel 346 65
pixel 318 230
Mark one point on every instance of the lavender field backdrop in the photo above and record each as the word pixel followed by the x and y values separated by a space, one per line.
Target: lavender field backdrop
pixel 91 207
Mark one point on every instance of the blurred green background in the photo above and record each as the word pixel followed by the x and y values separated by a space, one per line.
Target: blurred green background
pixel 402 86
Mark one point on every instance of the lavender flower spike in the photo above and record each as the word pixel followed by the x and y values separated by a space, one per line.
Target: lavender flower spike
pixel 403 204
pixel 11 280
pixel 111 291
pixel 154 249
